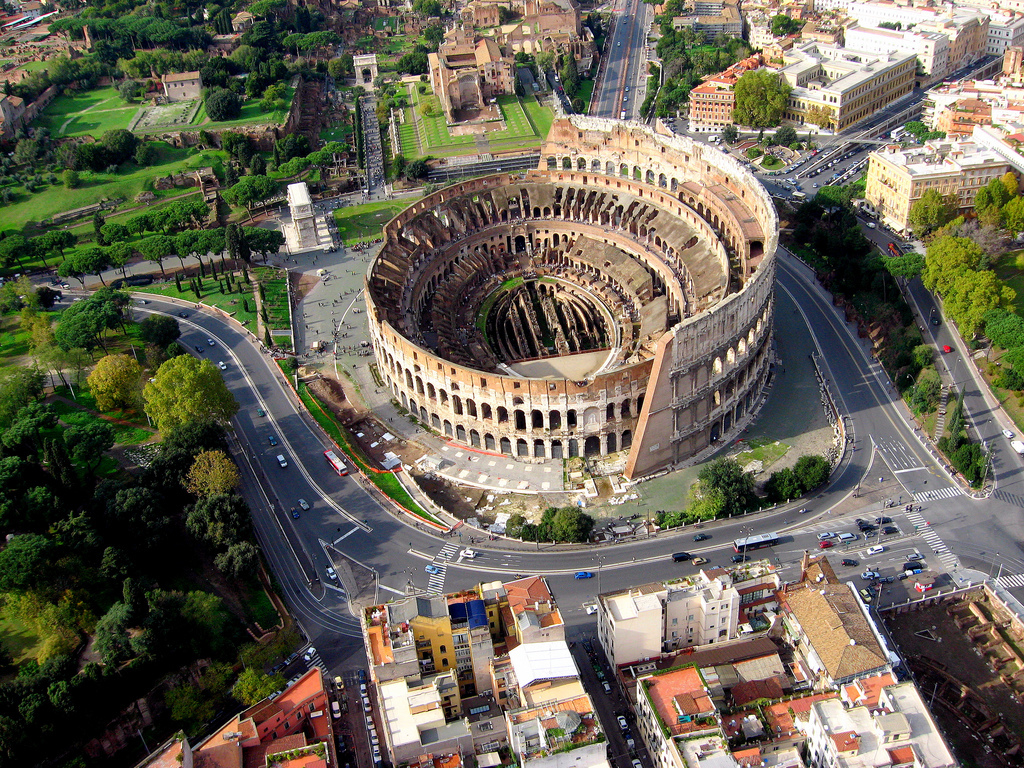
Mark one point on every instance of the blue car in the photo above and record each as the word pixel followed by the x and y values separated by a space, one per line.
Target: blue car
pixel 584 575
pixel 295 513
pixel 432 569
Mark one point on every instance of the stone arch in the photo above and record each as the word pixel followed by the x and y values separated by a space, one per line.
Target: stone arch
pixel 627 438
pixel 624 171
pixel 448 428
pixel 435 421
pixel 419 386
pixel 405 401
pixel 592 446
pixel 460 433
pixel 502 414
pixel 609 168
pixel 554 420
pixel 471 407
pixel 730 356
pixel 624 409
pixel 649 177
pixel 556 449
pixel 566 164
pixel 537 419
pixel 474 438
pixel 520 419
pixel 485 411
pixel 662 180
pixel 488 441
pixel 581 164
pixel 595 165
pixel 505 446
pixel 609 412
pixel 741 346
pixel 638 174
pixel 457 405
pixel 716 367
pixel 431 392
pixel 574 447
pixel 611 443
pixel 522 448
pixel 591 418
pixel 552 164
pixel 538 449
pixel 570 419
pixel 424 416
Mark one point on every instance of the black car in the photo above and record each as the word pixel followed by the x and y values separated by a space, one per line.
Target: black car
pixel 198 348
pixel 740 558
pixel 681 557
pixel 271 439
pixel 183 314
pixel 866 527
pixel 701 537
pixel 849 561
pixel 883 520
pixel 890 529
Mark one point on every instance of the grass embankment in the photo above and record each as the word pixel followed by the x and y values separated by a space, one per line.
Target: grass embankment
pixel 230 302
pixel 274 283
pixel 363 223
pixel 388 484
pixel 249 114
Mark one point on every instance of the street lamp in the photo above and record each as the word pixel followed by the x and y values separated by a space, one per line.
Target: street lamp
pixel 600 565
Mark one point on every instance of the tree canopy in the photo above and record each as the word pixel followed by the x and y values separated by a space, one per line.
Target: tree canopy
pixel 188 389
pixel 761 98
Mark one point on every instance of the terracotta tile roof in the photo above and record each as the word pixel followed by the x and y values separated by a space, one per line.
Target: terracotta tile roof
pixel 256 757
pixel 749 758
pixel 523 593
pixel 846 741
pixel 218 752
pixel 448 761
pixel 732 725
pixel 756 689
pixel 580 704
pixel 678 693
pixel 835 628
pixel 899 756
pixel 865 692
pixel 782 715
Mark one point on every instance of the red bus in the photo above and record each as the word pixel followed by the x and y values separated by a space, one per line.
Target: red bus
pixel 339 466
pixel 894 251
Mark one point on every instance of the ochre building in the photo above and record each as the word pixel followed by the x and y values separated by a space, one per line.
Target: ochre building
pixel 618 298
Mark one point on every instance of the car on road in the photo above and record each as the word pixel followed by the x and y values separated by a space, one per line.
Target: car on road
pixel 468 553
pixel 701 537
pixel 700 561
pixel 272 440
pixel 866 595
pixel 304 505
pixel 876 550
pixel 331 574
pixel 622 723
pixel 637 764
pixel 946 348
pixel 826 535
pixel 825 544
pixel 740 558
pixel 282 461
pixel 583 575
pixel 591 610
pixel 915 556
pixel 870 575
pixel 890 529
pixel 804 511
pixel 681 557
pixel 200 349
pixel 935 320
pixel 849 561
pixel 222 365
pixel 883 520
pixel 309 654
pixel 295 513
pixel 183 314
pixel 1008 434
pixel 433 570
pixel 260 412
pixel 211 342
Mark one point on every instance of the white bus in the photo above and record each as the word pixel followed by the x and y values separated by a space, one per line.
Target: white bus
pixel 339 466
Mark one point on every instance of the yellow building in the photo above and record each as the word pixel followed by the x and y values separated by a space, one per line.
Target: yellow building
pixel 897 178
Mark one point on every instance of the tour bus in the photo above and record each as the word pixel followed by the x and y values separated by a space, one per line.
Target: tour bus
pixel 339 466
pixel 756 541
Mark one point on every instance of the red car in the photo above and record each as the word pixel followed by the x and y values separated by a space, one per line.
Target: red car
pixel 824 545
pixel 946 348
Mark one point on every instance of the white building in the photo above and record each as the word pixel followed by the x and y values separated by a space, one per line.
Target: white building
pixel 899 731
pixel 644 622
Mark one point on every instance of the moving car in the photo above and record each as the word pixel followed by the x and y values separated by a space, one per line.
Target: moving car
pixel 272 440
pixel 295 513
pixel 183 314
pixel 304 505
pixel 701 537
pixel 740 558
pixel 849 561
pixel 825 545
pixel 260 412
pixel 282 460
pixel 700 561
pixel 211 342
pixel 199 349
pixel 876 550
pixel 583 575
pixel 681 557
pixel 310 653
pixel 946 348
pixel 622 723
pixel 1008 434
pixel 915 556
pixel 331 574
pixel 468 553
pixel 222 365
pixel 890 529
pixel 432 569
pixel 870 575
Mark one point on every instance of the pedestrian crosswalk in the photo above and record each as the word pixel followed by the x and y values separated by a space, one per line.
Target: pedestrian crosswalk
pixel 942 493
pixel 922 527
pixel 1009 498
pixel 435 584
pixel 314 660
pixel 1010 582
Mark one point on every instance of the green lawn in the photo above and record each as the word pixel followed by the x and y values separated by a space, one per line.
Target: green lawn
pixel 1007 271
pixel 586 93
pixel 124 434
pixel 275 292
pixel 527 123
pixel 251 114
pixel 211 296
pixel 359 223
pixel 13 341
pixel 86 114
pixel 127 184
pixel 17 638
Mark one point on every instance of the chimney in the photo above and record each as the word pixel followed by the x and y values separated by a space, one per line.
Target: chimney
pixel 805 563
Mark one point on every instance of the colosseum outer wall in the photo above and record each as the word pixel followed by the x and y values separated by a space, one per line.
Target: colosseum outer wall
pixel 707 371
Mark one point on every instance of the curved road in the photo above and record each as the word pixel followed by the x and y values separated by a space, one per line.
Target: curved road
pixel 346 513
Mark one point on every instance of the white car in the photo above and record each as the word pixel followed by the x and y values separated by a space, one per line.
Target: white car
pixel 222 365
pixel 468 553
pixel 309 654
pixel 331 574
pixel 591 610
pixel 826 535
pixel 876 550
pixel 1008 434
pixel 622 723
pixel 211 342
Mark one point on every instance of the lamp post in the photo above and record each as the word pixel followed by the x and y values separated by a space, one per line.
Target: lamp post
pixel 600 565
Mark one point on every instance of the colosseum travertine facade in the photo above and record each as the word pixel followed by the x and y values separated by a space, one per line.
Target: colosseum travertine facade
pixel 618 298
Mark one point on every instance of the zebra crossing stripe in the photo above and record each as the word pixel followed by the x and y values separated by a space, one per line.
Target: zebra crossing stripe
pixel 1009 582
pixel 942 493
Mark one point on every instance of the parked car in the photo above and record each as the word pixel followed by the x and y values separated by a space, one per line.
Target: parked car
pixel 845 537
pixel 211 342
pixel 272 440
pixel 282 461
pixel 826 535
pixel 1008 434
pixel 825 544
pixel 622 723
pixel 295 513
pixel 222 365
pixel 183 314
pixel 870 575
pixel 883 520
pixel 866 595
pixel 915 556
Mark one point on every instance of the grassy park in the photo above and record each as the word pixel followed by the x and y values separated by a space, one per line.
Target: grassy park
pixel 232 303
pixel 362 223
pixel 86 114
pixel 251 114
pixel 527 123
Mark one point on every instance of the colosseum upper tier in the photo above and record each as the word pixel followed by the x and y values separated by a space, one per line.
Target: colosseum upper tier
pixel 618 298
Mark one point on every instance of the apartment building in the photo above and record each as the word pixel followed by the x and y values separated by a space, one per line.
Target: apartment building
pixel 713 17
pixel 557 734
pixel 828 627
pixel 673 705
pixel 931 48
pixel 712 102
pixel 897 178
pixel 711 607
pixel 848 85
pixel 898 730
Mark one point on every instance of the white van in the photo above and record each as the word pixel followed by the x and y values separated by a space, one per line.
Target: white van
pixel 282 460
pixel 1018 446
pixel 847 536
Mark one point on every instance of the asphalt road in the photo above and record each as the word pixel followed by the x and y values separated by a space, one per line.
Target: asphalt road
pixel 621 86
pixel 345 513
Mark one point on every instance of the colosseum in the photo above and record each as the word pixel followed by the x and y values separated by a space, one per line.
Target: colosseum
pixel 617 299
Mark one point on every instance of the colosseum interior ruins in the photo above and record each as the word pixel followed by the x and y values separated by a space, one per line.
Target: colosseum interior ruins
pixel 618 299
